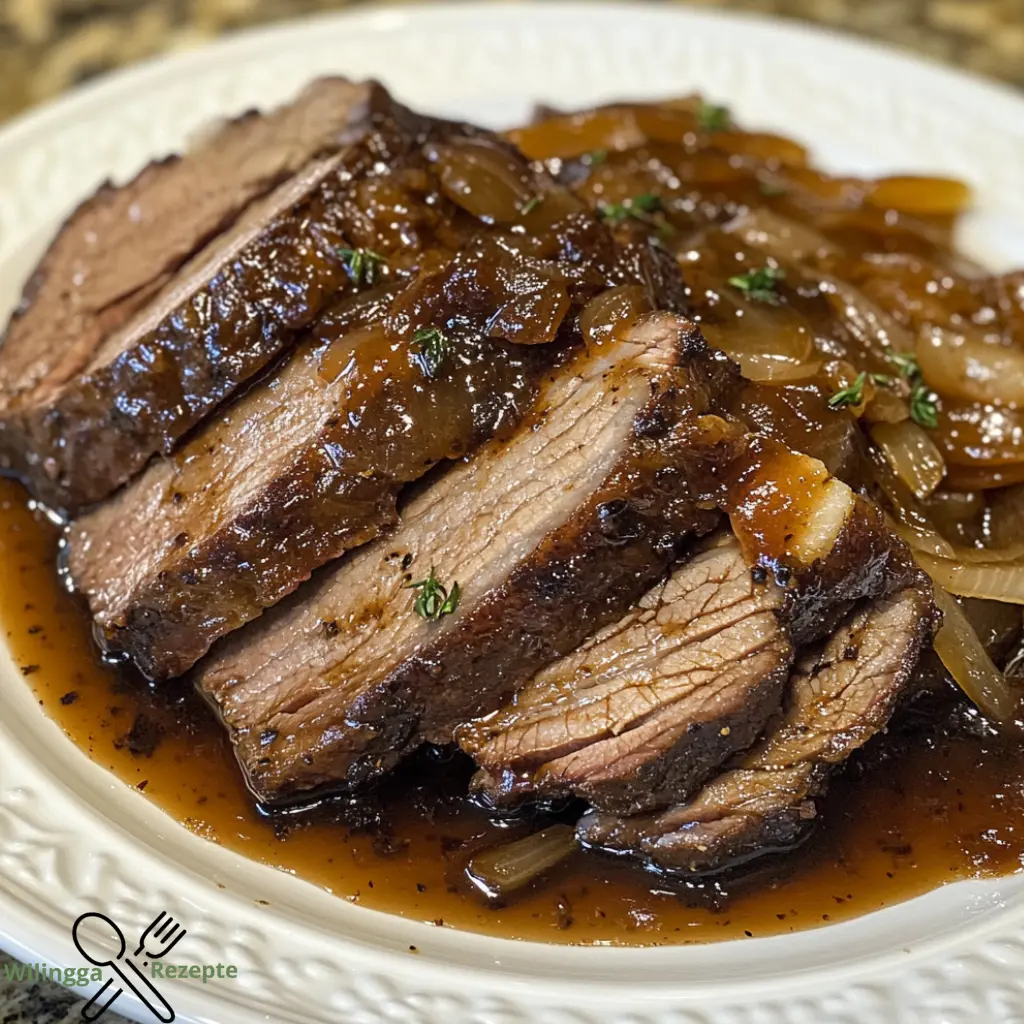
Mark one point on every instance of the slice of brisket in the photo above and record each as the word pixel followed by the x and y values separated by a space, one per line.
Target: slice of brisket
pixel 119 247
pixel 837 699
pixel 551 535
pixel 649 707
pixel 80 423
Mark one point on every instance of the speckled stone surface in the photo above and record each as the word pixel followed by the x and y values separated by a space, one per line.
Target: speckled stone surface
pixel 46 46
pixel 29 1002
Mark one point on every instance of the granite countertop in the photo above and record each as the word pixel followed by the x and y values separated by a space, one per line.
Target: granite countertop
pixel 47 46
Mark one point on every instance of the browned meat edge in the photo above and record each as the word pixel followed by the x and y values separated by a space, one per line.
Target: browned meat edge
pixel 648 708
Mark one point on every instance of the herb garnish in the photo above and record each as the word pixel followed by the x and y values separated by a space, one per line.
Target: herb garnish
pixel 598 156
pixel 851 395
pixel 362 265
pixel 714 118
pixel 639 208
pixel 906 363
pixel 772 188
pixel 924 409
pixel 431 344
pixel 759 285
pixel 434 600
pixel 531 204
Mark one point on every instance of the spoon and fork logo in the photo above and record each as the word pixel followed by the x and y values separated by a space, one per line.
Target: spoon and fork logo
pixel 162 935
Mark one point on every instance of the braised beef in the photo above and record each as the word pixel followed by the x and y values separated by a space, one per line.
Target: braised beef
pixel 644 712
pixel 308 463
pixel 550 535
pixel 649 707
pixel 838 698
pixel 76 431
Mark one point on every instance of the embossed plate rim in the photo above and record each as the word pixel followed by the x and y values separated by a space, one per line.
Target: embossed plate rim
pixel 71 835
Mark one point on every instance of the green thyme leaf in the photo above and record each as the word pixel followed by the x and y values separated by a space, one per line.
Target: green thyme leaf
pixel 772 188
pixel 597 157
pixel 924 408
pixel 363 265
pixel 434 600
pixel 852 395
pixel 714 118
pixel 882 380
pixel 924 403
pixel 531 204
pixel 431 344
pixel 638 208
pixel 906 363
pixel 760 285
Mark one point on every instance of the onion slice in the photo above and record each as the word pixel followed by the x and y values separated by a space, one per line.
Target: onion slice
pixel 912 454
pixel 503 869
pixel 968 369
pixel 967 661
pixel 993 581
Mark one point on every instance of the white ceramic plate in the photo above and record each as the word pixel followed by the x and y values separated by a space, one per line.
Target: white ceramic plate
pixel 72 838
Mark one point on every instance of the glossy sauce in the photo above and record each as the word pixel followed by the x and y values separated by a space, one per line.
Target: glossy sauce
pixel 934 801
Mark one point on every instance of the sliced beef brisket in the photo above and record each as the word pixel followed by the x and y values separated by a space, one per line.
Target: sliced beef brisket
pixel 308 463
pixel 301 468
pixel 121 245
pixel 646 711
pixel 837 699
pixel 83 427
pixel 551 535
pixel 649 707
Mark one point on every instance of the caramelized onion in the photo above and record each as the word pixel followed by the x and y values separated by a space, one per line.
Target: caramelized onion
pixel 506 868
pixel 570 135
pixel 981 437
pixel 771 343
pixel 966 368
pixel 931 543
pixel 912 454
pixel 1006 516
pixel 958 515
pixel 611 312
pixel 922 197
pixel 993 581
pixel 967 661
pixel 482 180
pixel 785 239
pixel 877 332
pixel 966 478
pixel 886 407
pixel 762 147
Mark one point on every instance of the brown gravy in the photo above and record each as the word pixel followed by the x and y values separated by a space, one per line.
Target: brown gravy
pixel 933 801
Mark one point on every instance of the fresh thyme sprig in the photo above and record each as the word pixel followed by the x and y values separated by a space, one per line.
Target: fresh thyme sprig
pixel 713 117
pixel 363 265
pixel 924 403
pixel 852 394
pixel 760 285
pixel 638 208
pixel 434 600
pixel 432 345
